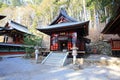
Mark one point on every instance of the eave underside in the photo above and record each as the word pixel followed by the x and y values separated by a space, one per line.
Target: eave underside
pixel 81 28
pixel 10 31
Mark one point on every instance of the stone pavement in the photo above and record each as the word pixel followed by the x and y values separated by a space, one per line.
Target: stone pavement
pixel 26 69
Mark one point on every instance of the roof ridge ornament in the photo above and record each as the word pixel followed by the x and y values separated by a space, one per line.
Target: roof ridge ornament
pixel 64 15
pixel 63 9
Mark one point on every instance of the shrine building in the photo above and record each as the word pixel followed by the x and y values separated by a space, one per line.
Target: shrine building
pixel 64 31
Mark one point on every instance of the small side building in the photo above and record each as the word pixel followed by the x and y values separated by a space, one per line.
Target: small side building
pixel 12 38
pixel 64 31
pixel 113 28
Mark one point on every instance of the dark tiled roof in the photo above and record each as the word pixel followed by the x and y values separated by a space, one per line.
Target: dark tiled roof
pixel 1 17
pixel 74 26
pixel 63 25
pixel 19 27
pixel 113 27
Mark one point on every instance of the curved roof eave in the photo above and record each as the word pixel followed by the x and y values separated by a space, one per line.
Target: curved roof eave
pixel 73 26
pixel 62 25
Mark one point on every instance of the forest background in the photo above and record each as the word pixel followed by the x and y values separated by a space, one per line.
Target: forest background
pixel 40 13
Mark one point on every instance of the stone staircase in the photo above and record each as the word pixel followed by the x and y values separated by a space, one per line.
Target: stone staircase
pixel 55 59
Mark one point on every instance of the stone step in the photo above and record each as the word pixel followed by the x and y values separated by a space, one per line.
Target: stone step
pixel 51 64
pixel 55 54
pixel 55 58
pixel 53 61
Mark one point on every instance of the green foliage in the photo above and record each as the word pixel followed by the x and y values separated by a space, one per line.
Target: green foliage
pixel 16 2
pixel 99 6
pixel 44 11
pixel 37 2
pixel 31 41
pixel 3 6
pixel 103 18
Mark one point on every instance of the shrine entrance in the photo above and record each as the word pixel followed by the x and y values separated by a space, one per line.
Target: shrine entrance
pixel 63 45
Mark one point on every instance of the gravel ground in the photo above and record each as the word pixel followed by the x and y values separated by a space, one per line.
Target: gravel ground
pixel 26 69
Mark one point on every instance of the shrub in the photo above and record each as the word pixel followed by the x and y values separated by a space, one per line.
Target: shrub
pixel 100 47
pixel 30 41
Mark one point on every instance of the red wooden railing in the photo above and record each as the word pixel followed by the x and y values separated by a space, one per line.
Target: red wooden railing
pixel 9 53
pixel 54 47
pixel 115 44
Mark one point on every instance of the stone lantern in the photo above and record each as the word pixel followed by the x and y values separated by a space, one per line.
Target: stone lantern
pixel 36 53
pixel 74 53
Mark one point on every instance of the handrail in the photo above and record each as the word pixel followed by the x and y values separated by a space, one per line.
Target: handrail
pixel 46 57
pixel 64 59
